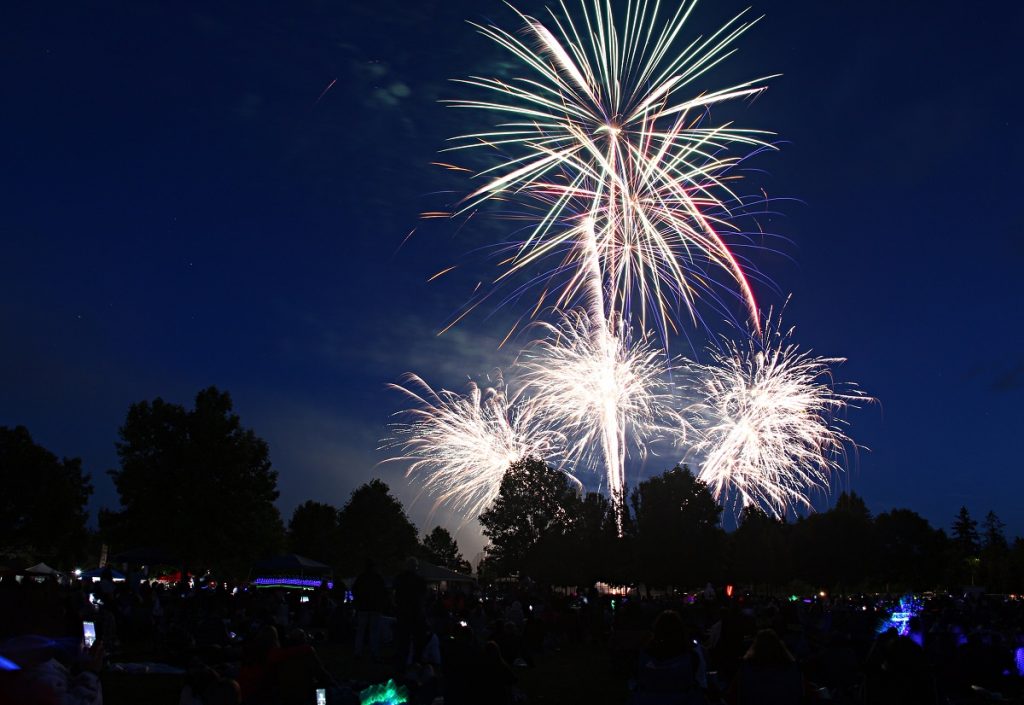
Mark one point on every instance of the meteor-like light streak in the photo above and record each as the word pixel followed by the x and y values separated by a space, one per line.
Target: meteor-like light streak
pixel 770 431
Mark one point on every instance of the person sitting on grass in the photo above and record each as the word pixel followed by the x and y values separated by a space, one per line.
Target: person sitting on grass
pixel 279 675
pixel 668 666
pixel 768 675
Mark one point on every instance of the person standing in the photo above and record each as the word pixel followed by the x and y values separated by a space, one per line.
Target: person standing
pixel 370 599
pixel 410 614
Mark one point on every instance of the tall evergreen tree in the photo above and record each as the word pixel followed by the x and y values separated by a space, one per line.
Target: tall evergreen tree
pixel 965 533
pixel 965 546
pixel 994 564
pixel 992 536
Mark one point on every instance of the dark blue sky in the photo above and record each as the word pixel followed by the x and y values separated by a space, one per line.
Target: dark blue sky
pixel 178 210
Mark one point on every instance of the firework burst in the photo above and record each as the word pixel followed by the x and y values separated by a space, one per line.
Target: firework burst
pixel 605 137
pixel 607 133
pixel 462 444
pixel 601 391
pixel 770 427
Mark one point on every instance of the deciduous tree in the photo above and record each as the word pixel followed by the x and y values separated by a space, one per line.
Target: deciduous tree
pixel 678 535
pixel 196 483
pixel 42 501
pixel 534 503
pixel 373 524
pixel 442 549
pixel 313 531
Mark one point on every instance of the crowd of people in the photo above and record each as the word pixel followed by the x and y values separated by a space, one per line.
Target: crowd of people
pixel 216 643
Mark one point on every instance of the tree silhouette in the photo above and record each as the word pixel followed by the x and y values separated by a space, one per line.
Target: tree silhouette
pixel 313 531
pixel 195 483
pixel 759 554
pixel 597 552
pixel 42 503
pixel 534 502
pixel 992 536
pixel 373 524
pixel 910 552
pixel 965 546
pixel 995 551
pixel 965 533
pixel 678 537
pixel 441 549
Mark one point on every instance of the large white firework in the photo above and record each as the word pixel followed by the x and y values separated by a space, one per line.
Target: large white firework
pixel 462 444
pixel 604 392
pixel 771 430
pixel 606 129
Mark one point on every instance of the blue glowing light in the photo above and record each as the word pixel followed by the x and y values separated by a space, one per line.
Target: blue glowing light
pixel 7 665
pixel 1019 658
pixel 292 583
pixel 899 620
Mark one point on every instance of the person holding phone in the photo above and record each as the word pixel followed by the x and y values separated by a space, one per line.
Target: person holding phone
pixel 45 676
pixel 88 634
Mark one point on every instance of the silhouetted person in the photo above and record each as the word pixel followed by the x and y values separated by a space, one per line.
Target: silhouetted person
pixel 768 674
pixel 514 648
pixel 410 616
pixel 898 673
pixel 370 598
pixel 461 661
pixel 277 675
pixel 224 692
pixel 496 677
pixel 668 666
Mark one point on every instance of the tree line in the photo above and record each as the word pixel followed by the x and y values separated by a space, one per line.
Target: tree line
pixel 196 485
pixel 199 486
pixel 672 536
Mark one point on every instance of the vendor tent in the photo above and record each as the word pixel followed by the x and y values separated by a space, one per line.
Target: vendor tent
pixel 97 574
pixel 439 574
pixel 42 569
pixel 291 564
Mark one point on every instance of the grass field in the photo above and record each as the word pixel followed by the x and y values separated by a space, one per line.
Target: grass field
pixel 580 673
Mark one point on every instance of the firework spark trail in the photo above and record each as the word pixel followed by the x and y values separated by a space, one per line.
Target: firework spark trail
pixel 602 346
pixel 596 389
pixel 771 433
pixel 599 131
pixel 462 444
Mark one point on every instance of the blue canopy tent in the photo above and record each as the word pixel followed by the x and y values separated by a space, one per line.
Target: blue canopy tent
pixel 291 571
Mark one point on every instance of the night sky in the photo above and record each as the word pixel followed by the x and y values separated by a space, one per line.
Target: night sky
pixel 179 209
